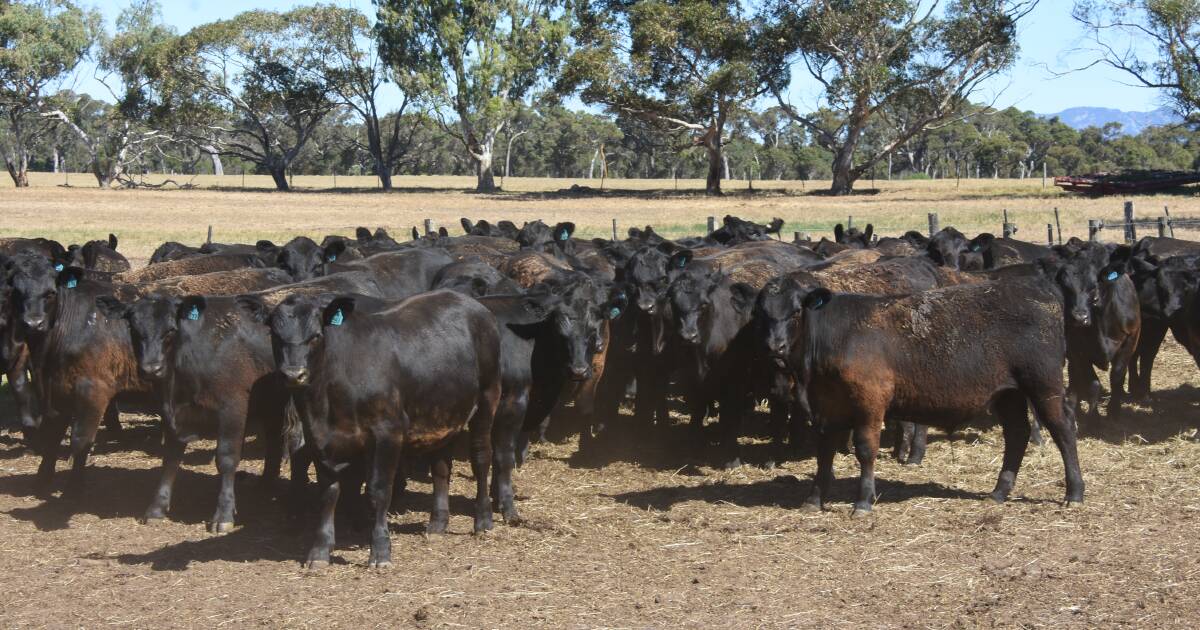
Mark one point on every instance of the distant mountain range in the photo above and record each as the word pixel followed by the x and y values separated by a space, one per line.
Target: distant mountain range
pixel 1132 123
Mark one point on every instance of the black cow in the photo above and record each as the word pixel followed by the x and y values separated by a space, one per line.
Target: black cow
pixel 474 278
pixel 387 381
pixel 1103 323
pixel 949 248
pixel 304 259
pixel 81 360
pixel 502 229
pixel 943 355
pixel 734 231
pixel 98 256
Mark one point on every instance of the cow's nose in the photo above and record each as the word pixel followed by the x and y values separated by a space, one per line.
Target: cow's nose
pixel 1083 318
pixel 778 349
pixel 155 368
pixel 647 307
pixel 296 376
pixel 36 323
pixel 691 336
pixel 580 372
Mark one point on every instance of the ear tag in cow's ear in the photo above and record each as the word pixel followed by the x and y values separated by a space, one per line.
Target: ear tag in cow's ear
pixel 682 262
pixel 58 266
pixel 194 314
pixel 1112 275
pixel 614 312
pixel 976 247
pixel 331 258
pixel 564 235
pixel 72 282
pixel 337 318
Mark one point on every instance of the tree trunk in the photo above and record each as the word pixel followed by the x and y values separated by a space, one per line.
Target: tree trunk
pixel 54 160
pixel 19 174
pixel 279 175
pixel 843 171
pixel 385 179
pixel 483 168
pixel 716 162
pixel 218 167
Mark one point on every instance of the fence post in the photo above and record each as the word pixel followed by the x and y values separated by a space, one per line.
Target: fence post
pixel 712 225
pixel 795 237
pixel 1130 228
pixel 1058 224
pixel 1167 216
pixel 1050 234
pixel 428 227
pixel 849 222
pixel 933 224
pixel 209 240
pixel 1093 229
pixel 614 229
pixel 1043 176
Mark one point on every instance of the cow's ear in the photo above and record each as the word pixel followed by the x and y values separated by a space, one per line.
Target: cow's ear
pixel 743 296
pixel 338 310
pixel 1113 271
pixel 112 242
pixel 265 246
pixel 334 249
pixel 563 231
pixel 680 259
pixel 415 235
pixel 868 233
pixel 362 234
pixel 1121 253
pixel 1049 265
pixel 1142 265
pixel 253 307
pixel 981 242
pixel 110 307
pixel 466 225
pixel 442 232
pixel 839 233
pixel 634 233
pixel 915 238
pixel 479 287
pixel 382 234
pixel 69 277
pixel 817 298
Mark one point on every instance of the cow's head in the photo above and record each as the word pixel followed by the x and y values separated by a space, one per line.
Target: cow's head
pixel 304 260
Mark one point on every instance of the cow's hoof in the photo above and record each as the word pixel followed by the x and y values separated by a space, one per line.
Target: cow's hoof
pixel 150 519
pixel 733 463
pixel 860 512
pixel 435 528
pixel 810 506
pixel 223 527
pixel 512 518
pixel 316 565
pixel 483 525
pixel 1071 505
pixel 379 564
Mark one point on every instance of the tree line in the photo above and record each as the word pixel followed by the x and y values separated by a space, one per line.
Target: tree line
pixel 674 88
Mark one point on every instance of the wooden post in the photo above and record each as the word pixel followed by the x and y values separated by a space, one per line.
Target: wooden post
pixel 1050 234
pixel 1162 227
pixel 209 239
pixel 1093 230
pixel 243 177
pixel 1043 176
pixel 849 222
pixel 933 224
pixel 614 229
pixel 1170 228
pixel 1130 228
pixel 795 237
pixel 335 179
pixel 1009 229
pixel 712 225
pixel 1058 225
pixel 428 227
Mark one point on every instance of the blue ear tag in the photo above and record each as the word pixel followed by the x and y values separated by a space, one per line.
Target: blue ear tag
pixel 72 283
pixel 682 263
pixel 564 235
pixel 194 314
pixel 614 312
pixel 1112 275
pixel 58 266
pixel 818 304
pixel 975 248
pixel 331 257
pixel 337 318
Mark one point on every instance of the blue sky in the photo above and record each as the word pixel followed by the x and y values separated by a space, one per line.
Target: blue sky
pixel 1050 42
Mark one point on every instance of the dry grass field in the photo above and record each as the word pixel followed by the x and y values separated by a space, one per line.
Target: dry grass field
pixel 646 534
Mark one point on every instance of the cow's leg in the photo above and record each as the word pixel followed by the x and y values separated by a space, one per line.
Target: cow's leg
pixel 780 420
pixel 50 435
pixel 1116 376
pixel 920 441
pixel 866 450
pixel 1048 405
pixel 384 465
pixel 731 409
pixel 1035 432
pixel 1082 381
pixel 504 441
pixel 480 427
pixel 83 436
pixel 271 430
pixel 22 389
pixel 439 516
pixel 902 440
pixel 231 433
pixel 299 460
pixel 827 444
pixel 318 555
pixel 1014 418
pixel 1153 333
pixel 112 417
pixel 172 456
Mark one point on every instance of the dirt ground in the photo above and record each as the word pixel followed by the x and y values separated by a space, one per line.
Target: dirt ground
pixel 646 534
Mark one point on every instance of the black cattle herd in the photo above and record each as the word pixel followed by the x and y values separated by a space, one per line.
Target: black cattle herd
pixel 363 357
